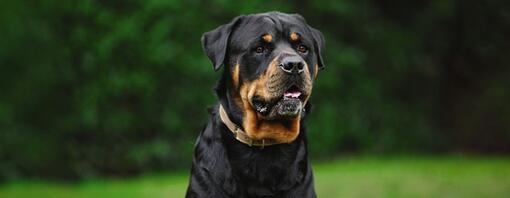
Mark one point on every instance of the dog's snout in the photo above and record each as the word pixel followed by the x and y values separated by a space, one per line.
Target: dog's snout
pixel 292 65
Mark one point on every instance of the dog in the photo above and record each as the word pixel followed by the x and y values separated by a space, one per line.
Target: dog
pixel 255 143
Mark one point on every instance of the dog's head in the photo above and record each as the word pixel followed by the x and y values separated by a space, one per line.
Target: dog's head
pixel 271 60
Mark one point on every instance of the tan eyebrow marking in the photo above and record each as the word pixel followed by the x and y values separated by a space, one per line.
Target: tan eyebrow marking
pixel 267 38
pixel 294 36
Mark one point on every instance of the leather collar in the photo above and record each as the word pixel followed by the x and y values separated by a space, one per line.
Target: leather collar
pixel 240 135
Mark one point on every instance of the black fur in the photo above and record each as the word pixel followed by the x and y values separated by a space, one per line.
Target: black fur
pixel 223 166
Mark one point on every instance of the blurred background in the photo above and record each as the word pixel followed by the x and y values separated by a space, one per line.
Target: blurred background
pixel 118 89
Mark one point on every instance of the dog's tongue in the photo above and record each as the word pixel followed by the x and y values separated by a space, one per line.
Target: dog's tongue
pixel 292 94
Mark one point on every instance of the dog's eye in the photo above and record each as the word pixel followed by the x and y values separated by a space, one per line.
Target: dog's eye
pixel 260 50
pixel 302 49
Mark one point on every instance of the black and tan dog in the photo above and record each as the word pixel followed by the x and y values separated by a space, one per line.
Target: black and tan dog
pixel 255 143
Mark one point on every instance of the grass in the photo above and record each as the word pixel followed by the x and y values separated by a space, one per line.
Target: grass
pixel 357 177
pixel 415 177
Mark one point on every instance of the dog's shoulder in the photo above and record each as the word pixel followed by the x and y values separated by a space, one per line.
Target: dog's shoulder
pixel 211 173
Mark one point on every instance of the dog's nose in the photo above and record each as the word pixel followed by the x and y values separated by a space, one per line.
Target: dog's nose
pixel 292 65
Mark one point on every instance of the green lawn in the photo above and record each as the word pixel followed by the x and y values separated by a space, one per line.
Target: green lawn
pixel 357 177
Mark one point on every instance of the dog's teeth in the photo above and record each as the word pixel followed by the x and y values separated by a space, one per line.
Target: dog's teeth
pixel 292 94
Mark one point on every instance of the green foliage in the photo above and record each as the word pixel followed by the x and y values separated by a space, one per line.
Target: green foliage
pixel 94 88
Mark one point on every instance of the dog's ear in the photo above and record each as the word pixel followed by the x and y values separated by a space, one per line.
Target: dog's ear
pixel 214 43
pixel 318 40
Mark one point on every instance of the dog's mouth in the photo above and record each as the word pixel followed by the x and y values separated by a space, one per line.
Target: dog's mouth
pixel 287 104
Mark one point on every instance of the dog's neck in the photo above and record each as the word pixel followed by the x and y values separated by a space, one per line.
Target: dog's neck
pixel 278 166
pixel 240 134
